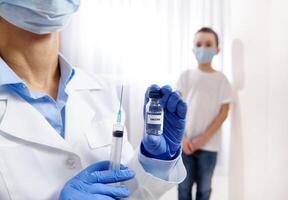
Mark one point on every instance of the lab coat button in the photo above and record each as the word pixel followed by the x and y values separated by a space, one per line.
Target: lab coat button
pixel 71 163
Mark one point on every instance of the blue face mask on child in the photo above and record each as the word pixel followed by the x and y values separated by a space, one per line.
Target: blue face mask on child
pixel 38 16
pixel 204 55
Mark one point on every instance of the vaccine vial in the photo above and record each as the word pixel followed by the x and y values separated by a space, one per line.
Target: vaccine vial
pixel 154 114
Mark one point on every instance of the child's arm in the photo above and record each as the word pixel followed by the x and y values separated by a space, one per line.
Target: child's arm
pixel 200 140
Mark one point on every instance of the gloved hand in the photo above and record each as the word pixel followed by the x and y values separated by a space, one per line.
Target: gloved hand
pixel 91 183
pixel 168 145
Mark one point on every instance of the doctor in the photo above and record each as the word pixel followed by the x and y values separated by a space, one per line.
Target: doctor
pixel 55 121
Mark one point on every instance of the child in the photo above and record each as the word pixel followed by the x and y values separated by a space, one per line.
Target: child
pixel 208 94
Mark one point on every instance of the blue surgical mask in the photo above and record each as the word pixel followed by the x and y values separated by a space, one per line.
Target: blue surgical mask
pixel 38 16
pixel 204 55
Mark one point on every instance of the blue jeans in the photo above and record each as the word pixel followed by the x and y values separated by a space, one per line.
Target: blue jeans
pixel 200 167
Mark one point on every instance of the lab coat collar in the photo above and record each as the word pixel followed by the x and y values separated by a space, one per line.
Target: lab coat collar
pixel 79 80
pixel 83 81
pixel 67 70
pixel 7 75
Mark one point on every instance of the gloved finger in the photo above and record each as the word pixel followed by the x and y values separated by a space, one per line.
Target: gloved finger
pixel 173 121
pixel 99 197
pixel 110 176
pixel 152 141
pixel 109 190
pixel 166 91
pixel 77 190
pixel 172 102
pixel 154 144
pixel 123 166
pixel 99 166
pixel 181 109
pixel 173 128
pixel 88 174
pixel 153 87
pixel 174 145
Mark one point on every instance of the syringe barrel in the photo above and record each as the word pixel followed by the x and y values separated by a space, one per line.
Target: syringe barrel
pixel 116 147
pixel 116 150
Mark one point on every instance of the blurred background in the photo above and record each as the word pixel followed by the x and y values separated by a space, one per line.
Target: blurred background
pixel 141 42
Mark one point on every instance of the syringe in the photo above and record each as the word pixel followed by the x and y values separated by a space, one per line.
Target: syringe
pixel 117 140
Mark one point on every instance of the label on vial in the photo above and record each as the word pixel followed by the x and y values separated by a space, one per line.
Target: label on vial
pixel 154 119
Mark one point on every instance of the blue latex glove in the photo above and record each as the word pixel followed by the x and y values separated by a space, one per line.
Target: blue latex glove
pixel 91 183
pixel 168 145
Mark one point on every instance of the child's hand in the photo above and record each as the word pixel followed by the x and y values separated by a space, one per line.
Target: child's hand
pixel 198 142
pixel 186 146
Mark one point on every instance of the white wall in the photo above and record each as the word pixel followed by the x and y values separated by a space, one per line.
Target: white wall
pixel 278 102
pixel 259 146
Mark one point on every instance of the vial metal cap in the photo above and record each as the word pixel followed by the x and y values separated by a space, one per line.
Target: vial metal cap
pixel 157 94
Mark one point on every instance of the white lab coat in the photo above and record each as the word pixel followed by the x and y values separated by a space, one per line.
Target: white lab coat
pixel 36 162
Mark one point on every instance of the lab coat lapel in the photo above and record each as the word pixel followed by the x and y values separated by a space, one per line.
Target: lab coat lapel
pixel 24 122
pixel 79 113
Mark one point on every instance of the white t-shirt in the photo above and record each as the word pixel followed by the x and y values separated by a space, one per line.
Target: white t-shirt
pixel 204 93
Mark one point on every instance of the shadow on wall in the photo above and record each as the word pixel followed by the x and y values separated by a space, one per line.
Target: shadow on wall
pixel 236 167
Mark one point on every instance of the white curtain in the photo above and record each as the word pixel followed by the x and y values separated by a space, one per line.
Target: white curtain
pixel 138 42
pixel 141 42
